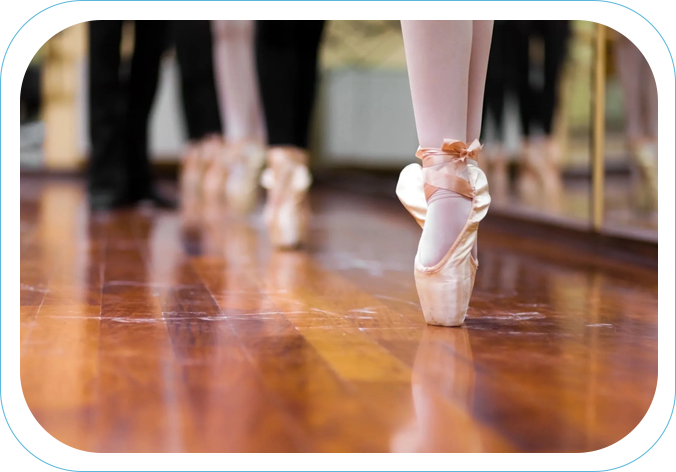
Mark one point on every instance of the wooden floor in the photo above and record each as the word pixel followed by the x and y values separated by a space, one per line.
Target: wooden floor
pixel 149 331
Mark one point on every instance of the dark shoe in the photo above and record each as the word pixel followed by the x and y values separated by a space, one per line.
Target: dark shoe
pixel 158 200
pixel 108 201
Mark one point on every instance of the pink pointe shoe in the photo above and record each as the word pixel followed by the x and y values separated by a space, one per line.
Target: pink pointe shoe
pixel 445 288
pixel 287 210
pixel 247 158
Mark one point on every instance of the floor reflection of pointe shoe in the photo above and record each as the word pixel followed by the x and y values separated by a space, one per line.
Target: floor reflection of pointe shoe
pixel 241 187
pixel 444 360
pixel 287 211
pixel 287 272
pixel 445 289
pixel 443 372
pixel 443 367
pixel 244 242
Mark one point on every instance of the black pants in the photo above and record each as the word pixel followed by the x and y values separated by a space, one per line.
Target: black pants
pixel 120 99
pixel 198 87
pixel 538 105
pixel 286 56
pixel 499 76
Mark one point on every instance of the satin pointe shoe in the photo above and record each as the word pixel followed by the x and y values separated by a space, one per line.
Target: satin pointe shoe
pixel 216 173
pixel 287 211
pixel 190 165
pixel 241 187
pixel 445 288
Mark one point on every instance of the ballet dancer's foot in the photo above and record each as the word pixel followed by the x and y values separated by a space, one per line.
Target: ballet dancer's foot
pixel 190 169
pixel 241 187
pixel 448 197
pixel 287 180
pixel 215 174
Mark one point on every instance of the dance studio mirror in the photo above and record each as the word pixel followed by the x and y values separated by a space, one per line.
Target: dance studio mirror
pixel 630 62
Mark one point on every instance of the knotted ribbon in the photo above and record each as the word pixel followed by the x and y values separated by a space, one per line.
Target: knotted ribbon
pixel 452 151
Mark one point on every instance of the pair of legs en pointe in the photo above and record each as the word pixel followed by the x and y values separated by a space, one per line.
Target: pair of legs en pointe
pixel 286 53
pixel 448 196
pixel 237 169
pixel 226 162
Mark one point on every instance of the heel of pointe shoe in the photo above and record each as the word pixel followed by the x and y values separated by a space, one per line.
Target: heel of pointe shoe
pixel 444 299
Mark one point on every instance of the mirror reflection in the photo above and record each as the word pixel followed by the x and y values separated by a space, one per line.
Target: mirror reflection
pixel 537 120
pixel 631 141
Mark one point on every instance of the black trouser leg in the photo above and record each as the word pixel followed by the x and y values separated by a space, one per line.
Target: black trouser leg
pixel 286 55
pixel 521 34
pixel 198 86
pixel 496 77
pixel 143 80
pixel 106 177
pixel 555 36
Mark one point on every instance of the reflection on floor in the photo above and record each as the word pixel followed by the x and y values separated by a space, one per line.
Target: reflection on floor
pixel 145 331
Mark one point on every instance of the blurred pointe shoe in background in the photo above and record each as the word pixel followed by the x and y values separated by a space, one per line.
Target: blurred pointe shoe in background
pixel 246 159
pixel 287 210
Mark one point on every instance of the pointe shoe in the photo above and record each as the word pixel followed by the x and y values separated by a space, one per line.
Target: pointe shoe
pixel 241 187
pixel 287 211
pixel 216 174
pixel 189 172
pixel 445 288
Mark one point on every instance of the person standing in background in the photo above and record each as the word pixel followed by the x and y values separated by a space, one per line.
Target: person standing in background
pixel 194 53
pixel 286 55
pixel 120 99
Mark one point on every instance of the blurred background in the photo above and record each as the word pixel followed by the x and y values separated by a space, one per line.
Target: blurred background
pixel 574 89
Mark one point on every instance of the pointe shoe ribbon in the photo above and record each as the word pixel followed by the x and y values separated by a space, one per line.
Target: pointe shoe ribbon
pixel 416 184
pixel 442 166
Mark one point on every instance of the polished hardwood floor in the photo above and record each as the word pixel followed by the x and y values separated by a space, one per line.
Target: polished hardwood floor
pixel 156 331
